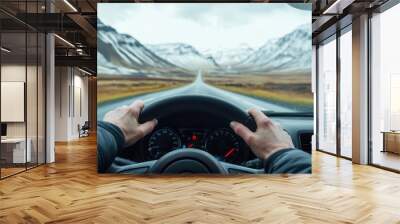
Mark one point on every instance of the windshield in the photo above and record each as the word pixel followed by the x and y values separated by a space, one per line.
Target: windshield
pixel 245 54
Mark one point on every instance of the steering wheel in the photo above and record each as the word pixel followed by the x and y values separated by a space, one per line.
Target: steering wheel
pixel 187 160
pixel 191 160
pixel 195 103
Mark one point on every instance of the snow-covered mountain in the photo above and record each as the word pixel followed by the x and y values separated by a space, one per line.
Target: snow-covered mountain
pixel 288 53
pixel 228 57
pixel 123 54
pixel 105 67
pixel 184 56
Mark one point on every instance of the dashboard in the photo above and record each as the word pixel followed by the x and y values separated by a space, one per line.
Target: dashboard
pixel 213 135
pixel 222 143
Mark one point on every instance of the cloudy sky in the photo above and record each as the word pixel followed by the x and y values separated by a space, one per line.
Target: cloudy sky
pixel 205 26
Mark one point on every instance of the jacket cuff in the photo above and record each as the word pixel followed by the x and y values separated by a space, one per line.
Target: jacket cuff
pixel 270 160
pixel 115 131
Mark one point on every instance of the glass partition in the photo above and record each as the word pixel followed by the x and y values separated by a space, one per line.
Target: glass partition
pixel 41 97
pixel 15 151
pixel 22 77
pixel 31 97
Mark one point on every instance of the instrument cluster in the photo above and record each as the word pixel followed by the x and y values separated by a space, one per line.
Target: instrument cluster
pixel 222 143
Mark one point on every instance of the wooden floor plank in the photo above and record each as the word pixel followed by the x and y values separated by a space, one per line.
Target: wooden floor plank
pixel 71 191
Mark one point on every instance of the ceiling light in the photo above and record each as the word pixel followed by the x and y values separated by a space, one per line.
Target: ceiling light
pixel 84 71
pixel 338 6
pixel 70 5
pixel 79 51
pixel 5 50
pixel 64 40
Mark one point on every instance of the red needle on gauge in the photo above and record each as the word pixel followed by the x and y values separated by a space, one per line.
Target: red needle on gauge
pixel 229 152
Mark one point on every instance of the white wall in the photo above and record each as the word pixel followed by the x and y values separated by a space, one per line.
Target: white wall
pixel 12 73
pixel 62 81
pixel 71 93
pixel 16 73
pixel 81 83
pixel 33 126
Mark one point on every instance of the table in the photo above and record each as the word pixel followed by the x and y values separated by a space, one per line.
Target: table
pixel 13 150
pixel 391 141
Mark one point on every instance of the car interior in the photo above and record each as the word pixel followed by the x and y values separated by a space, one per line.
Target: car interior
pixel 194 136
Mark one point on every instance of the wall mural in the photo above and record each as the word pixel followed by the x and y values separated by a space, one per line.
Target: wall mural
pixel 186 88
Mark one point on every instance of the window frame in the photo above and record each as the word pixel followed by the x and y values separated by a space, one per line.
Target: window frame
pixel 334 37
pixel 379 10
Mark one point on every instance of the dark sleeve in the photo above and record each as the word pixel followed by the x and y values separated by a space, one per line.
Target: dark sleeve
pixel 110 140
pixel 288 161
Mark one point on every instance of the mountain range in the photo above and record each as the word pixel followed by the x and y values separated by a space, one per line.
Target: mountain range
pixel 122 54
pixel 184 56
pixel 291 52
pixel 231 56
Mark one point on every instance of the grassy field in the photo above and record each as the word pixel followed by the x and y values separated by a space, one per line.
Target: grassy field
pixel 115 88
pixel 280 88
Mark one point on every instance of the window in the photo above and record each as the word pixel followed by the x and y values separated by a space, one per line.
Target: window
pixel 327 96
pixel 346 94
pixel 385 89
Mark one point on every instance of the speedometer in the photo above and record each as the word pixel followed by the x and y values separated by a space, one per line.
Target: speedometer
pixel 163 141
pixel 224 145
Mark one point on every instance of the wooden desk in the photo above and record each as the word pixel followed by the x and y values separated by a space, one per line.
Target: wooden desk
pixel 391 141
pixel 13 150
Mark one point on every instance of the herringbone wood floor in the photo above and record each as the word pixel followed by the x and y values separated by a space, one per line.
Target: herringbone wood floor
pixel 71 191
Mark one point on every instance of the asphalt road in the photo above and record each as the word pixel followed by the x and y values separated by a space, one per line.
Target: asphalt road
pixel 198 87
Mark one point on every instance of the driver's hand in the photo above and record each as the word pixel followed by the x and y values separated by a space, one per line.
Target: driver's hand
pixel 126 117
pixel 268 138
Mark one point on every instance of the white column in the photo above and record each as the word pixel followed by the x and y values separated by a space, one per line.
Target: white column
pixel 50 99
pixel 50 92
pixel 360 90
